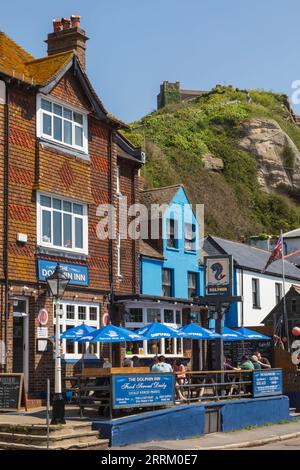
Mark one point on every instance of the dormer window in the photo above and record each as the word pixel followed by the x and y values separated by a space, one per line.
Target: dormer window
pixel 62 124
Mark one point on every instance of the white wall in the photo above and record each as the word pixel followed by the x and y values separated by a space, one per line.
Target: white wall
pixel 255 316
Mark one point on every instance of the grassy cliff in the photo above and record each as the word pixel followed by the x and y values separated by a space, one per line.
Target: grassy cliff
pixel 177 137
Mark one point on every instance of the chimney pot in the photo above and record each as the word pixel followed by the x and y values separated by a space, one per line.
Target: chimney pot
pixel 75 20
pixel 66 23
pixel 56 25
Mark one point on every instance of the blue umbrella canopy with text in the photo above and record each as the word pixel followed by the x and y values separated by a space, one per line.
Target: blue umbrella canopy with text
pixel 158 331
pixel 111 334
pixel 195 331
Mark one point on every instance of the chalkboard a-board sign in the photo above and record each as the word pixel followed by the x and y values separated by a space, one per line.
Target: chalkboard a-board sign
pixel 12 392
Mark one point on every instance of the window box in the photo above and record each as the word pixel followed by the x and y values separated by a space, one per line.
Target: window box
pixel 62 124
pixel 62 224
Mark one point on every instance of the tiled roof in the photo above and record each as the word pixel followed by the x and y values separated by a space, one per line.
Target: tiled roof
pixel 294 258
pixel 247 256
pixel 17 63
pixel 149 251
pixel 159 195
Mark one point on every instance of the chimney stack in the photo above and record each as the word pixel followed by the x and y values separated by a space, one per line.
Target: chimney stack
pixel 68 36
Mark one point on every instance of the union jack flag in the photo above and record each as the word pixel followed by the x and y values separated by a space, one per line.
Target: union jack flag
pixel 276 253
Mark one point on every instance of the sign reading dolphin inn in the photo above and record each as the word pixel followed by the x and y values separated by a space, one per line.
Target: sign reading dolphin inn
pixel 77 273
pixel 218 275
pixel 143 390
pixel 267 382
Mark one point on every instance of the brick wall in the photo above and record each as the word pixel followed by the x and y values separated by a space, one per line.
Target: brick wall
pixel 35 166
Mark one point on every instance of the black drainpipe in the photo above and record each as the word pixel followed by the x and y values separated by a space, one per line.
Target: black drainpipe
pixel 133 241
pixel 6 215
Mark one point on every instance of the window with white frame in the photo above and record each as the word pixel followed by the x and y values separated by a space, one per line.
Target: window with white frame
pixel 189 237
pixel 278 292
pixel 62 124
pixel 62 223
pixel 172 233
pixel 74 314
pixel 136 318
pixel 192 284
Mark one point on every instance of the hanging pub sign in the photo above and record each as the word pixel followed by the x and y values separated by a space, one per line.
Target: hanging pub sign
pixel 78 274
pixel 218 275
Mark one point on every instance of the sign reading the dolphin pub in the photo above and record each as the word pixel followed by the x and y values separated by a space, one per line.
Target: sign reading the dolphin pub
pixel 219 275
pixel 143 390
pixel 77 273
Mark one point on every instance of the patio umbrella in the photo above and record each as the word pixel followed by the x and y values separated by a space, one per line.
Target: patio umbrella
pixel 195 331
pixel 157 331
pixel 73 334
pixel 231 335
pixel 252 335
pixel 111 334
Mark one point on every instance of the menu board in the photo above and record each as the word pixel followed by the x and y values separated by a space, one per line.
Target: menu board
pixel 235 350
pixel 11 391
pixel 138 390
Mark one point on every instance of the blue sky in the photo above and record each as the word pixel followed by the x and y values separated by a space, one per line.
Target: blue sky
pixel 136 44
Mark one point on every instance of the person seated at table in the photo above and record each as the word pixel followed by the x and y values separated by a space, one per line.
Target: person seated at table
pixel 107 364
pixel 127 362
pixel 180 372
pixel 263 361
pixel 228 365
pixel 161 366
pixel 135 361
pixel 246 363
pixel 255 362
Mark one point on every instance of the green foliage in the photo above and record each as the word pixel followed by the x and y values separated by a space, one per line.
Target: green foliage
pixel 179 135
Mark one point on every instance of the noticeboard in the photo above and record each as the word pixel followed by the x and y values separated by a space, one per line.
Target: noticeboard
pixel 12 392
pixel 267 382
pixel 140 390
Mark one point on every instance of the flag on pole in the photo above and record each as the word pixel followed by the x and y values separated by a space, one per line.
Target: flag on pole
pixel 276 253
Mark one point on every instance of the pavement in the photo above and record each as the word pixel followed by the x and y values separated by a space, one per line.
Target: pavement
pixel 276 435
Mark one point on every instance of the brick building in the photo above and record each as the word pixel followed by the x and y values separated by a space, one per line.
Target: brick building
pixel 61 157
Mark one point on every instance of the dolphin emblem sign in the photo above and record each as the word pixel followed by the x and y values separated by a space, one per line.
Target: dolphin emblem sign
pixel 218 275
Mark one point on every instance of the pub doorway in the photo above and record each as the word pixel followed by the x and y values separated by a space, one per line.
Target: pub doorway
pixel 20 338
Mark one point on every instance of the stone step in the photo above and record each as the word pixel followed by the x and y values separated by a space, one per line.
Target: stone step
pixel 96 444
pixel 36 440
pixel 41 429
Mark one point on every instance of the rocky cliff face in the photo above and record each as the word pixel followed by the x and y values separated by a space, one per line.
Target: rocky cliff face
pixel 278 159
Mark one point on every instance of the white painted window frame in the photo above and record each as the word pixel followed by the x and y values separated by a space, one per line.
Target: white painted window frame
pixel 39 123
pixel 64 321
pixel 134 325
pixel 84 218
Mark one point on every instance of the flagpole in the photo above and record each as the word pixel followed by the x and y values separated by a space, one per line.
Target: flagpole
pixel 284 298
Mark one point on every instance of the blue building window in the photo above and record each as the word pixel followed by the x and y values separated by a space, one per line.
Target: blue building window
pixel 172 233
pixel 192 284
pixel 167 282
pixel 189 237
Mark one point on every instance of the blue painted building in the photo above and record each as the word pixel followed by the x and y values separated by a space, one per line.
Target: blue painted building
pixel 169 266
pixel 170 273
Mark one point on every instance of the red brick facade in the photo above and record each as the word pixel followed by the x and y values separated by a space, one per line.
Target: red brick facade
pixel 34 166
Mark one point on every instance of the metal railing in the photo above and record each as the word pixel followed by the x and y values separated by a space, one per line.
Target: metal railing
pixel 213 385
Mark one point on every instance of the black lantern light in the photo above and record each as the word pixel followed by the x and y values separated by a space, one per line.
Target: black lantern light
pixel 57 282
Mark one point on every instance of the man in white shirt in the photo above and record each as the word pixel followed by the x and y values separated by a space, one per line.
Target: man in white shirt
pixel 161 366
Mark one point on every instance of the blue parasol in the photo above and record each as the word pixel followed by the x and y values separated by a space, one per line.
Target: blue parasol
pixel 73 334
pixel 231 335
pixel 158 331
pixel 252 335
pixel 195 331
pixel 111 334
